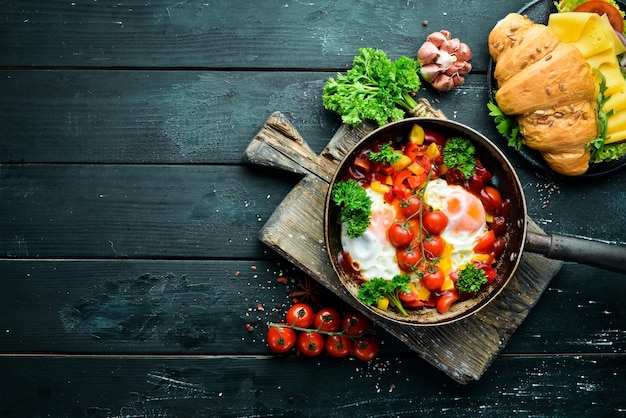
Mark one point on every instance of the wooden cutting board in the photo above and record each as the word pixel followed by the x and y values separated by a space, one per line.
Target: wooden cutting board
pixel 464 349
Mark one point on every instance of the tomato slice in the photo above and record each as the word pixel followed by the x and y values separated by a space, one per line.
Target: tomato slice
pixel 601 7
pixel 485 244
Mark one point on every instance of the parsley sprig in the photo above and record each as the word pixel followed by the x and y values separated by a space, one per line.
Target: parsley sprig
pixel 377 288
pixel 386 155
pixel 506 125
pixel 375 88
pixel 471 279
pixel 459 153
pixel 355 206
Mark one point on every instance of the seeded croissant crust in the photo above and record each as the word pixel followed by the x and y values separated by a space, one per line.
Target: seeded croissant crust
pixel 549 87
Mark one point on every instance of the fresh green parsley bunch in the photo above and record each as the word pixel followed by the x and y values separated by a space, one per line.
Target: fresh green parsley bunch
pixel 375 88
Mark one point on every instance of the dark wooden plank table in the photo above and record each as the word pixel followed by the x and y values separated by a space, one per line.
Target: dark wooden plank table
pixel 129 246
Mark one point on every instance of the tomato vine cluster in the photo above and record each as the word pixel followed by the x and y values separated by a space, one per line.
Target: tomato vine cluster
pixel 313 333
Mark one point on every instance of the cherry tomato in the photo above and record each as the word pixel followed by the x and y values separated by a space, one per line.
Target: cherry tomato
pixel 365 349
pixel 498 247
pixel 407 297
pixel 310 344
pixel 409 258
pixel 492 200
pixel 490 272
pixel 355 323
pixel 410 206
pixel 338 345
pixel 300 315
pixel 400 235
pixel 415 304
pixel 281 340
pixel 435 222
pixel 445 301
pixel 498 225
pixel 485 243
pixel 433 281
pixel 434 246
pixel 601 7
pixel 327 319
pixel 434 136
pixel 479 178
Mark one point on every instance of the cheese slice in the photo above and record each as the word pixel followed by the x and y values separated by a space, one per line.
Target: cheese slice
pixel 595 38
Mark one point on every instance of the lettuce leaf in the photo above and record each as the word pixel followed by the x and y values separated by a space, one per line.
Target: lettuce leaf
pixel 564 6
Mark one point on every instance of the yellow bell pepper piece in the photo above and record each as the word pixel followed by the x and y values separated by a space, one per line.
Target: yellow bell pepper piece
pixel 378 187
pixel 416 169
pixel 448 284
pixel 383 303
pixel 402 163
pixel 485 258
pixel 423 293
pixel 417 135
pixel 432 151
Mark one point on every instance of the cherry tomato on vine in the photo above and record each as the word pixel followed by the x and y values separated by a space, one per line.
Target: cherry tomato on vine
pixel 602 7
pixel 355 323
pixel 365 349
pixel 410 206
pixel 327 319
pixel 300 315
pixel 434 246
pixel 338 345
pixel 310 344
pixel 433 281
pixel 435 222
pixel 281 340
pixel 409 258
pixel 400 235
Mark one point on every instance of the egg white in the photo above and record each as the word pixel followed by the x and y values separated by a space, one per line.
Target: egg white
pixel 373 252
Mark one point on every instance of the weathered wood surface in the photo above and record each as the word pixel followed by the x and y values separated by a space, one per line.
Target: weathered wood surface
pixel 157 111
pixel 463 350
pixel 225 34
pixel 158 386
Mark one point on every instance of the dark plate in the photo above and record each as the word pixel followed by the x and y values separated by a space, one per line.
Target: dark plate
pixel 539 11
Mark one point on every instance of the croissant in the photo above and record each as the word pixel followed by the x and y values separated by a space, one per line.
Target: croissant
pixel 549 86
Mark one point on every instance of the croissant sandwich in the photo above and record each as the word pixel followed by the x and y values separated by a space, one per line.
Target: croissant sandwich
pixel 549 87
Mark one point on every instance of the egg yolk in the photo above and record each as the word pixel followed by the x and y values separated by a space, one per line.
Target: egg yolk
pixel 465 212
pixel 380 222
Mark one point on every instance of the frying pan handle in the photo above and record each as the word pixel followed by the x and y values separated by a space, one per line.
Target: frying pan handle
pixel 579 250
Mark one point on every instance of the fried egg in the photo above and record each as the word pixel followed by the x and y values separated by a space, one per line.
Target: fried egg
pixel 372 251
pixel 466 218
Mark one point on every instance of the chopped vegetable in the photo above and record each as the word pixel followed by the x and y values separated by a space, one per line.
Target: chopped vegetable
pixel 471 279
pixel 610 152
pixel 564 6
pixel 378 288
pixel 506 125
pixel 459 153
pixel 444 60
pixel 355 206
pixel 375 88
pixel 386 155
